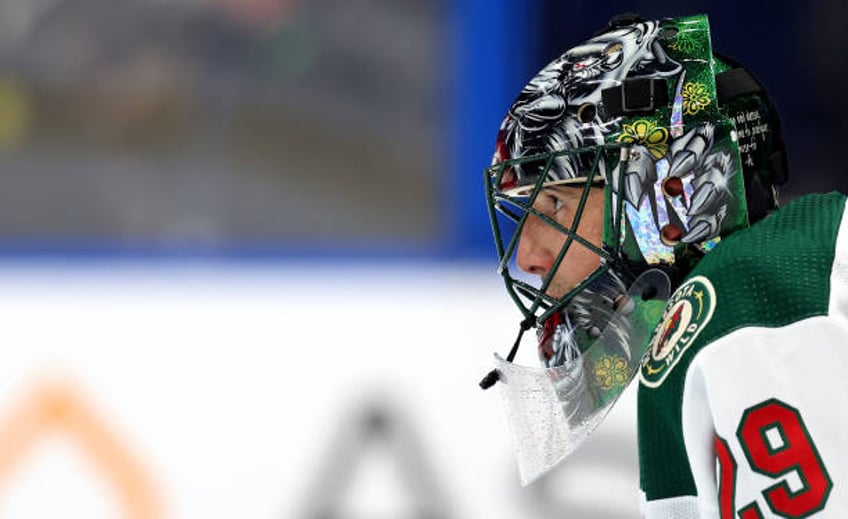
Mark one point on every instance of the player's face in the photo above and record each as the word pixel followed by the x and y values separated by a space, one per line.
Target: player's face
pixel 540 243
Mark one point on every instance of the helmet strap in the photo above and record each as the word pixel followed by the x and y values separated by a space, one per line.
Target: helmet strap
pixel 493 376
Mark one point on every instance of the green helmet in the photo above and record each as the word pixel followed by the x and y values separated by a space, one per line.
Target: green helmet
pixel 685 146
pixel 685 142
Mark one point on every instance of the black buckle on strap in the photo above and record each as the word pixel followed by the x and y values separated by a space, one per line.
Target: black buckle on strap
pixel 636 95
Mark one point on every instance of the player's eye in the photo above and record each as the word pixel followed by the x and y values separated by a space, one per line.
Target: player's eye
pixel 558 204
pixel 551 203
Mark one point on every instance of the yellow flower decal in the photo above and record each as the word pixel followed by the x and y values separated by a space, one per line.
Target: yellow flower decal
pixel 611 372
pixel 686 45
pixel 696 97
pixel 647 134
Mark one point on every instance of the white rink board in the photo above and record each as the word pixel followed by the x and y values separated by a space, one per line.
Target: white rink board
pixel 241 392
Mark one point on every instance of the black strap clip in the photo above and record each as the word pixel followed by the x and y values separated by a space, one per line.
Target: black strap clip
pixel 635 96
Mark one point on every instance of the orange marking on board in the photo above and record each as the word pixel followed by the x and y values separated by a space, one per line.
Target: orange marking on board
pixel 55 407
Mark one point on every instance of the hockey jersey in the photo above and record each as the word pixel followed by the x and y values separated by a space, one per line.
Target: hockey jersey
pixel 743 395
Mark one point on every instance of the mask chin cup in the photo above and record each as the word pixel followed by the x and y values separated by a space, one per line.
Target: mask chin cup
pixel 552 411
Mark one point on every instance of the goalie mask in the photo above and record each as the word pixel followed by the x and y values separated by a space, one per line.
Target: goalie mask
pixel 616 169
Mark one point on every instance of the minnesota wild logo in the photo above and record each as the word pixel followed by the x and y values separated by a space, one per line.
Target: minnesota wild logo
pixel 687 313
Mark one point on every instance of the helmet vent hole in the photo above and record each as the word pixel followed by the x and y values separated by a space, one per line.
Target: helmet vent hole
pixel 671 234
pixel 586 113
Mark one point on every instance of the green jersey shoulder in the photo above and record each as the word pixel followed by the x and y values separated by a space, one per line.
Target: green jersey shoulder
pixel 771 275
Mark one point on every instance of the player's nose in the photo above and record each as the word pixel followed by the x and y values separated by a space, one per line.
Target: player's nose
pixel 533 257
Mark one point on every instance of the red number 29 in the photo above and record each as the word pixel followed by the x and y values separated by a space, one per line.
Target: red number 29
pixel 776 443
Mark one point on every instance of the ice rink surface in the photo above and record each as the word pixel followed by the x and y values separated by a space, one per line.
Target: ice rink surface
pixel 283 390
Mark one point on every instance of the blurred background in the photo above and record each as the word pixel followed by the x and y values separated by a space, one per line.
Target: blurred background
pixel 245 264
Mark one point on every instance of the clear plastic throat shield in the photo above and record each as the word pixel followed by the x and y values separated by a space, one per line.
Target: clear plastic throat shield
pixel 551 411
